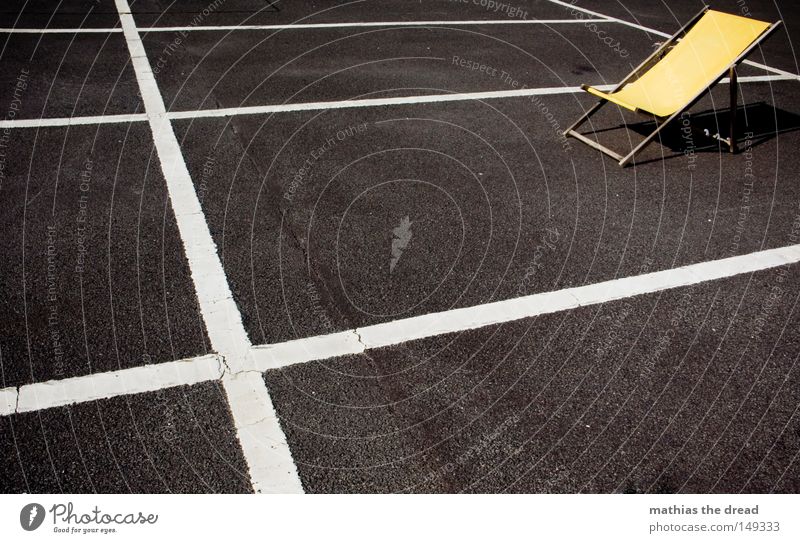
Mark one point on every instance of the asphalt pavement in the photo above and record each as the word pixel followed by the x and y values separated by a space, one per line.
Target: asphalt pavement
pixel 328 217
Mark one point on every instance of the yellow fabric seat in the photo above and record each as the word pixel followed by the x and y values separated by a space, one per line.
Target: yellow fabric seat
pixel 677 74
pixel 691 66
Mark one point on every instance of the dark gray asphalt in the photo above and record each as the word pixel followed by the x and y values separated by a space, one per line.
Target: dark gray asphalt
pixel 481 184
pixel 339 64
pixel 779 51
pixel 59 14
pixel 235 12
pixel 94 277
pixel 330 220
pixel 66 75
pixel 680 391
pixel 174 440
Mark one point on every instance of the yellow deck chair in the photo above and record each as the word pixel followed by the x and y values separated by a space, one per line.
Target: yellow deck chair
pixel 680 72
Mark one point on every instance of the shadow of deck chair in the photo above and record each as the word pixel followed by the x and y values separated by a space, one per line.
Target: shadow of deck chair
pixel 680 72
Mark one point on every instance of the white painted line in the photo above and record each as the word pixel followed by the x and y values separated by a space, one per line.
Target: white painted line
pixel 467 318
pixel 59 30
pixel 311 26
pixel 760 78
pixel 664 35
pixel 341 104
pixel 100 386
pixel 787 75
pixel 405 100
pixel 245 388
pixel 263 444
pixel 539 304
pixel 608 18
pixel 278 355
pixel 371 102
pixel 307 26
pixel 599 18
pixel 8 401
pixel 458 320
pixel 272 469
pixel 73 121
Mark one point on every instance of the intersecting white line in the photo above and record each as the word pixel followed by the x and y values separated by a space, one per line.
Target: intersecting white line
pixel 99 386
pixel 599 18
pixel 664 35
pixel 267 357
pixel 279 355
pixel 263 443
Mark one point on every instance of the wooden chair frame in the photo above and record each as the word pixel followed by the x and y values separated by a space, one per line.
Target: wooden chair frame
pixel 661 122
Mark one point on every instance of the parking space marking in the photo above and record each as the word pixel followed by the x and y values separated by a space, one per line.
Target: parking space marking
pixel 665 35
pixel 245 387
pixel 405 100
pixel 597 18
pixel 239 364
pixel 371 102
pixel 8 401
pixel 73 121
pixel 59 30
pixel 339 104
pixel 311 26
pixel 297 351
pixel 99 386
pixel 299 26
pixel 263 443
pixel 610 18
pixel 358 340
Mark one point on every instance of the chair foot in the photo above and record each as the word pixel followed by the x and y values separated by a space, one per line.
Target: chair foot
pixel 594 144
pixel 729 141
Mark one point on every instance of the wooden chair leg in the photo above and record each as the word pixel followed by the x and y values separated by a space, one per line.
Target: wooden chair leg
pixel 648 139
pixel 584 117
